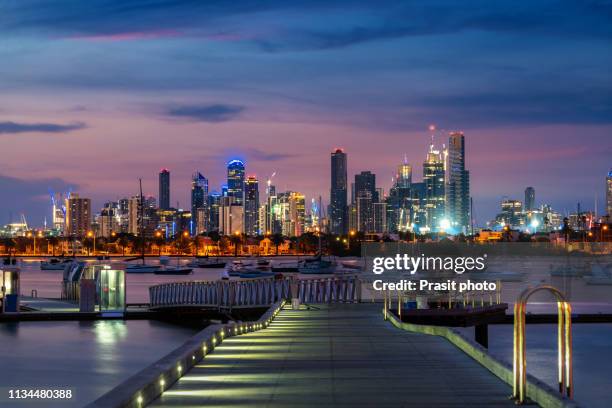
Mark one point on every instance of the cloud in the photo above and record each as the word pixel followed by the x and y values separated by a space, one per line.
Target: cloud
pixel 30 197
pixel 15 127
pixel 213 113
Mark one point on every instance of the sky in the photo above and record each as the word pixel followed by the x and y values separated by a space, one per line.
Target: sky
pixel 95 94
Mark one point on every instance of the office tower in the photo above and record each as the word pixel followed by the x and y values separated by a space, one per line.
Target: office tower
pixel 433 177
pixel 214 202
pixel 380 218
pixel 399 201
pixel 529 199
pixel 337 198
pixel 458 186
pixel 290 213
pixel 418 206
pixel 231 217
pixel 78 216
pixel 164 189
pixel 609 194
pixel 199 194
pixel 235 181
pixel 123 215
pixel 297 213
pixel 251 206
pixel 366 181
pixel 511 213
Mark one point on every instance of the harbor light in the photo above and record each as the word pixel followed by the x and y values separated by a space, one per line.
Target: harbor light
pixel 162 383
pixel 179 368
pixel 535 224
pixel 139 400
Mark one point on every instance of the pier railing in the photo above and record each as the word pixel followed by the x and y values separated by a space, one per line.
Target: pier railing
pixel 255 292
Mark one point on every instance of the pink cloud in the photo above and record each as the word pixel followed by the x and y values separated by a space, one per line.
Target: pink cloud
pixel 130 36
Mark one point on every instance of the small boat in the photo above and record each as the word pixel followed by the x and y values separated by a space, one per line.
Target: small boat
pixel 256 274
pixel 173 270
pixel 206 262
pixel 285 268
pixel 351 265
pixel 54 264
pixel 140 268
pixel 225 275
pixel 316 266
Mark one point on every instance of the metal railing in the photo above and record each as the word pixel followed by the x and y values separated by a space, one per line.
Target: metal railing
pixel 564 339
pixel 255 292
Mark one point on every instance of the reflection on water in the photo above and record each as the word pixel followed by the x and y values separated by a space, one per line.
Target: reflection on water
pixel 592 357
pixel 89 358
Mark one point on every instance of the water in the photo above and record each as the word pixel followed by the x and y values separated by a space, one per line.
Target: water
pixel 592 357
pixel 48 283
pixel 89 358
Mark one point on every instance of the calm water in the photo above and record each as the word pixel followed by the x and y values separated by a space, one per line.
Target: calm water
pixel 592 346
pixel 89 358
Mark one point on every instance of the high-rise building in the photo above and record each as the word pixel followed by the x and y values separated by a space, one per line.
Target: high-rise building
pixel 290 213
pixel 78 216
pixel 529 199
pixel 365 197
pixel 199 194
pixel 235 180
pixel 398 203
pixel 458 186
pixel 433 178
pixel 337 198
pixel 214 202
pixel 231 217
pixel 164 189
pixel 366 181
pixel 380 218
pixel 609 193
pixel 251 206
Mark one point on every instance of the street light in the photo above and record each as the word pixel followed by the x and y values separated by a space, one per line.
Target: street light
pixel 90 234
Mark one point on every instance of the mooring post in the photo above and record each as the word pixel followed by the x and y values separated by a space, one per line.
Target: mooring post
pixel 481 334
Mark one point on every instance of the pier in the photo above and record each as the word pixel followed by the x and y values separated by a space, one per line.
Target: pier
pixel 336 355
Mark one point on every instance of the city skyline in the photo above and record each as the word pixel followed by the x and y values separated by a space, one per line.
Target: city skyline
pixel 283 89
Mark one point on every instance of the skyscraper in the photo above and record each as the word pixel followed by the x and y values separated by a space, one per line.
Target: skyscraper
pixel 214 202
pixel 235 181
pixel 78 216
pixel 251 206
pixel 609 193
pixel 529 199
pixel 164 189
pixel 365 197
pixel 399 201
pixel 199 194
pixel 337 197
pixel 458 186
pixel 433 178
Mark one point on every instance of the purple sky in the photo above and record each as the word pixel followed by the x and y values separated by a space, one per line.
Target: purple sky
pixel 96 94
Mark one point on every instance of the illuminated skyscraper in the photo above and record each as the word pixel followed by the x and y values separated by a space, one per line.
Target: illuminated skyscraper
pixel 433 178
pixel 199 194
pixel 164 189
pixel 458 186
pixel 214 202
pixel 529 199
pixel 365 197
pixel 235 181
pixel 251 206
pixel 399 202
pixel 337 197
pixel 78 216
pixel 609 194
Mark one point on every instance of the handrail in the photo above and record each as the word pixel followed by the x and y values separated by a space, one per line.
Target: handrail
pixel 255 292
pixel 564 339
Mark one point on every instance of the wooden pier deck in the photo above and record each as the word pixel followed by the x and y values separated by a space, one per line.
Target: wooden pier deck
pixel 338 355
